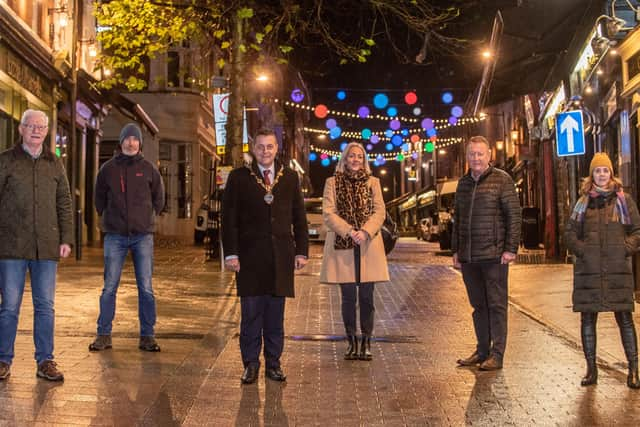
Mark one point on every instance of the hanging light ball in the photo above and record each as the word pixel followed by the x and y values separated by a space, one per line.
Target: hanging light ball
pixel 447 97
pixel 380 101
pixel 417 111
pixel 392 111
pixel 366 133
pixel 374 139
pixel 321 111
pixel 363 112
pixel 341 95
pixel 297 95
pixel 396 140
pixel 456 111
pixel 410 98
pixel 331 123
pixel 395 124
pixel 313 157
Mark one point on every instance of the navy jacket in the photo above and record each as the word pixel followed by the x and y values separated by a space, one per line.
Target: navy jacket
pixel 129 193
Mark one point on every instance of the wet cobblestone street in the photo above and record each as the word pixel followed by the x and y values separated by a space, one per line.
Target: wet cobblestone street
pixel 423 324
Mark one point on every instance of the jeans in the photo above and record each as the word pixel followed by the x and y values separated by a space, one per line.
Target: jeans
pixel 116 248
pixel 13 273
pixel 487 289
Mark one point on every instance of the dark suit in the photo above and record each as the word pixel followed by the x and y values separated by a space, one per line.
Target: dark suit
pixel 266 238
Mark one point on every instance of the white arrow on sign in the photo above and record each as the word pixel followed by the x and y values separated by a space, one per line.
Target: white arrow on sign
pixel 569 125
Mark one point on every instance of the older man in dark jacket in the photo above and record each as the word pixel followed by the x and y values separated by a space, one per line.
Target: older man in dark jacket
pixel 485 239
pixel 265 237
pixel 35 231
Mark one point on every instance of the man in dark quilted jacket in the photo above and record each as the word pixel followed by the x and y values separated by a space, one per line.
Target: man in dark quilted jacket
pixel 485 239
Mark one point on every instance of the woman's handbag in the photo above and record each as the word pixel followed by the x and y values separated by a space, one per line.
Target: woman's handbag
pixel 389 233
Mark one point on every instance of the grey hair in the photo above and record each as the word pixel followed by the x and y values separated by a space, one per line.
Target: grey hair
pixel 341 166
pixel 479 139
pixel 31 113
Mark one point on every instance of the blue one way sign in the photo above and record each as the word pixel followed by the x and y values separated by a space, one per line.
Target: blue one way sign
pixel 570 133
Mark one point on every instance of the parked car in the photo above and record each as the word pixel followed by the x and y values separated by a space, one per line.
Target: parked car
pixel 427 230
pixel 205 217
pixel 317 229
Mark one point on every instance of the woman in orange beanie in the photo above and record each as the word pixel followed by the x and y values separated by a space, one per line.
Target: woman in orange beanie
pixel 603 232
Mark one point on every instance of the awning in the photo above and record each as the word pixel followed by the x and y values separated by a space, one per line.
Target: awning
pixel 447 187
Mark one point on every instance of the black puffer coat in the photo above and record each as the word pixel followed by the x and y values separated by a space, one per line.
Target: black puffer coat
pixel 602 275
pixel 487 217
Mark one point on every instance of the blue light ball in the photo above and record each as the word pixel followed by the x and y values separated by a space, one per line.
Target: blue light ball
pixel 325 162
pixel 447 97
pixel 380 101
pixel 396 140
pixel 313 157
pixel 341 95
pixel 389 146
pixel 392 111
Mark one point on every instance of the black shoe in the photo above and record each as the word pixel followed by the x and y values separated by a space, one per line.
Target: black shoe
pixel 632 379
pixel 250 374
pixel 275 374
pixel 365 348
pixel 352 350
pixel 493 363
pixel 473 360
pixel 148 344
pixel 591 377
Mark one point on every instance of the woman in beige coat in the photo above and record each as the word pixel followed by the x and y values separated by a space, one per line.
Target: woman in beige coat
pixel 353 211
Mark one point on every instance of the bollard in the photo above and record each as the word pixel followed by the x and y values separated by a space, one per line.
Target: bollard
pixel 78 234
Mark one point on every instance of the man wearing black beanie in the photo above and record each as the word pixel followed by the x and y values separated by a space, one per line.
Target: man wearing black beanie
pixel 129 193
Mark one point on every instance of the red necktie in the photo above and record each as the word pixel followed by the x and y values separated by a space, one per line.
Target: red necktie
pixel 267 181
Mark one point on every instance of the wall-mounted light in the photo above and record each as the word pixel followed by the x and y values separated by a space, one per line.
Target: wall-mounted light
pixel 514 134
pixel 499 145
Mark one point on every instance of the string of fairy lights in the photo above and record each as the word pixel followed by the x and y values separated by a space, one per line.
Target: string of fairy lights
pixel 406 141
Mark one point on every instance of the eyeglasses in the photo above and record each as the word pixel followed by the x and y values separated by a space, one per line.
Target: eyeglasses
pixel 36 127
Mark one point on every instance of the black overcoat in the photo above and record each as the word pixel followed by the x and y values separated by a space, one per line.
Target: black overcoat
pixel 266 238
pixel 602 274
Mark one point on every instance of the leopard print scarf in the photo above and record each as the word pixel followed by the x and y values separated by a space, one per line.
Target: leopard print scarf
pixel 353 202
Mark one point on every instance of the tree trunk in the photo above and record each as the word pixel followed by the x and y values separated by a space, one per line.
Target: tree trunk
pixel 233 144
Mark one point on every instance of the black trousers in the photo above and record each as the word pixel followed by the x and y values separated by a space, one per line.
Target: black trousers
pixel 262 317
pixel 365 298
pixel 486 285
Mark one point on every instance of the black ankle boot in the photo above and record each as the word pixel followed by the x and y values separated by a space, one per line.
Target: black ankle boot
pixel 352 350
pixel 365 348
pixel 591 377
pixel 588 333
pixel 629 342
pixel 632 379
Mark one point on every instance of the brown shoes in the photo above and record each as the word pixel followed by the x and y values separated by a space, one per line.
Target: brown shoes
pixel 148 344
pixel 49 371
pixel 473 360
pixel 102 342
pixel 5 371
pixel 493 363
